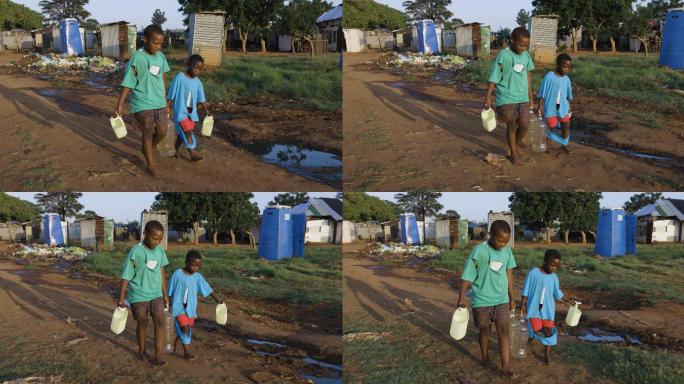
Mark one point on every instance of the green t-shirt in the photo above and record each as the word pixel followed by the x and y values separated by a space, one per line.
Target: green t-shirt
pixel 509 73
pixel 144 283
pixel 490 287
pixel 144 76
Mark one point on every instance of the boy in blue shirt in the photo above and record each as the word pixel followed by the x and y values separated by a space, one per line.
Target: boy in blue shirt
pixel 184 286
pixel 144 80
pixel 514 101
pixel 185 94
pixel 554 95
pixel 540 291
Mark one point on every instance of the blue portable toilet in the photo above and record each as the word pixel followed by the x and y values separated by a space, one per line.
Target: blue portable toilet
pixel 275 234
pixel 52 229
pixel 298 234
pixel 70 37
pixel 427 37
pixel 610 233
pixel 631 234
pixel 672 47
pixel 409 229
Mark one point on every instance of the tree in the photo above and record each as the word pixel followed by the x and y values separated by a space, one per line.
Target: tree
pixel 158 17
pixel 243 215
pixel 503 36
pixel 421 203
pixel 615 25
pixel 578 213
pixel 435 10
pixel 186 210
pixel 229 211
pixel 298 19
pixel 14 15
pixel 537 210
pixel 570 16
pixel 596 17
pixel 659 8
pixel 15 209
pixel 91 25
pixel 636 25
pixel 87 213
pixel 453 23
pixel 640 200
pixel 361 207
pixel 523 18
pixel 290 199
pixel 368 14
pixel 63 203
pixel 133 228
pixel 56 10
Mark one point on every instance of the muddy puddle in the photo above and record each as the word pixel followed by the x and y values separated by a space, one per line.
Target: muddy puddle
pixel 319 166
pixel 311 369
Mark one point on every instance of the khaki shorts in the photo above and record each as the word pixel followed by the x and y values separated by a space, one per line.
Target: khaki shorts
pixel 510 113
pixel 152 121
pixel 142 308
pixel 485 316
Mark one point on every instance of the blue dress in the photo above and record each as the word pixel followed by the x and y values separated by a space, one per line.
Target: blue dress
pixel 183 290
pixel 185 93
pixel 541 288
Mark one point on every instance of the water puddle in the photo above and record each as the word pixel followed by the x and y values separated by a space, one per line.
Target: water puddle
pixel 19 272
pixel 590 140
pixel 322 380
pixel 323 167
pixel 96 81
pixel 599 336
pixel 263 342
pixel 47 92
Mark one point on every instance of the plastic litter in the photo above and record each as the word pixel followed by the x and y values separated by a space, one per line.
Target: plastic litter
pixel 406 250
pixel 419 60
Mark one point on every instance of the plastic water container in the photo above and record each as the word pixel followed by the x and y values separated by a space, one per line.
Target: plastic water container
pixel 118 126
pixel 167 147
pixel 119 320
pixel 574 313
pixel 537 133
pixel 519 337
pixel 169 331
pixel 221 314
pixel 459 323
pixel 207 125
pixel 488 119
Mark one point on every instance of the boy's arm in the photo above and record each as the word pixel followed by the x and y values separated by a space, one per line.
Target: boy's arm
pixel 122 293
pixel 523 305
pixel 511 295
pixel 166 294
pixel 490 91
pixel 206 110
pixel 529 87
pixel 169 105
pixel 122 99
pixel 540 108
pixel 465 285
pixel 215 297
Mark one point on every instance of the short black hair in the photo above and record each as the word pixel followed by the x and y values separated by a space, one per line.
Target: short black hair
pixel 562 58
pixel 520 32
pixel 194 59
pixel 551 254
pixel 192 255
pixel 500 226
pixel 154 225
pixel 152 29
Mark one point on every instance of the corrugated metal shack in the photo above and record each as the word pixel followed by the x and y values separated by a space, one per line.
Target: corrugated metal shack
pixel 206 36
pixel 118 40
pixel 543 31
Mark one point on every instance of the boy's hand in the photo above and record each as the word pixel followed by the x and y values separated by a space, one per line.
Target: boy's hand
pixel 488 101
pixel 166 302
pixel 540 111
pixel 522 312
pixel 122 304
pixel 118 111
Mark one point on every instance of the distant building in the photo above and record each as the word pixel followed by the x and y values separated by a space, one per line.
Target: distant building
pixel 661 222
pixel 330 26
pixel 323 219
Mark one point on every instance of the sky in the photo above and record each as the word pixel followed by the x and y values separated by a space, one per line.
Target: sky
pixel 475 205
pixel 138 12
pixel 125 206
pixel 495 13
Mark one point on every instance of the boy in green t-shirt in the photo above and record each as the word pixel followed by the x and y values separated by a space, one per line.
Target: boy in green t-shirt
pixel 489 269
pixel 513 85
pixel 144 80
pixel 143 275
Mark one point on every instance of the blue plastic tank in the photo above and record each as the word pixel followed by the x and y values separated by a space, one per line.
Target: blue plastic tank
pixel 275 234
pixel 52 227
pixel 427 37
pixel 70 37
pixel 610 233
pixel 672 48
pixel 631 234
pixel 409 229
pixel 298 234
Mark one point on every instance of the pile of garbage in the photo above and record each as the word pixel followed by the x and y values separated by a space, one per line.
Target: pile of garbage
pixel 403 250
pixel 96 64
pixel 412 62
pixel 45 252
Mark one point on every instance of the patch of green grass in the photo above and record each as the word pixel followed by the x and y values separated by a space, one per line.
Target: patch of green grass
pixel 19 358
pixel 368 177
pixel 655 274
pixel 657 179
pixel 314 82
pixel 476 72
pixel 314 279
pixel 628 365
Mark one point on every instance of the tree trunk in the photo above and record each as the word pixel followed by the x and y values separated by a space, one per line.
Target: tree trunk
pixel 232 236
pixel 263 45
pixel 252 242
pixel 594 42
pixel 292 44
pixel 566 235
pixel 593 234
pixel 612 43
pixel 574 34
pixel 195 232
pixel 548 235
pixel 215 237
pixel 584 237
pixel 311 44
pixel 643 41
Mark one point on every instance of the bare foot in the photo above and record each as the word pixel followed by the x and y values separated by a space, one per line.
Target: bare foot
pixel 547 359
pixel 566 149
pixel 159 362
pixel 484 362
pixel 142 356
pixel 517 160
pixel 179 156
pixel 195 158
pixel 510 374
pixel 152 172
pixel 189 357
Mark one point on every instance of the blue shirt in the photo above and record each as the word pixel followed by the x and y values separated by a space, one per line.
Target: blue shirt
pixel 556 90
pixel 183 288
pixel 180 88
pixel 541 288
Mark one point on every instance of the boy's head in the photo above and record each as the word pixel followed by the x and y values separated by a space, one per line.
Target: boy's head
pixel 499 234
pixel 154 38
pixel 552 260
pixel 154 234
pixel 563 64
pixel 521 40
pixel 195 65
pixel 193 261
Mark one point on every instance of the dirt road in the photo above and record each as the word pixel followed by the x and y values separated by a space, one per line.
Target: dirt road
pixel 60 137
pixel 40 303
pixel 407 133
pixel 424 302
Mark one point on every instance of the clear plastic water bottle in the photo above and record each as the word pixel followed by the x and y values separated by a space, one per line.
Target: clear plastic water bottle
pixel 169 331
pixel 537 133
pixel 543 132
pixel 518 337
pixel 167 147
